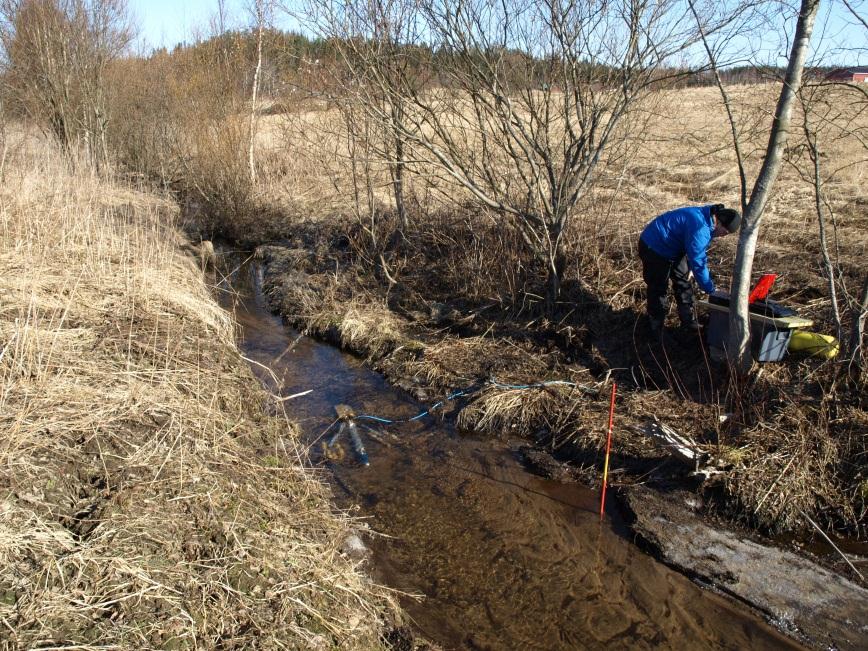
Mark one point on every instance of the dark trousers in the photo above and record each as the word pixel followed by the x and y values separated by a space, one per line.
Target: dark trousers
pixel 657 271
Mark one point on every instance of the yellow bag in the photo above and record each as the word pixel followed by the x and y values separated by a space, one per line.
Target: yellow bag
pixel 813 343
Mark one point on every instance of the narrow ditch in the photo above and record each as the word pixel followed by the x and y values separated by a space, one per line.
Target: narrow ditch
pixel 497 558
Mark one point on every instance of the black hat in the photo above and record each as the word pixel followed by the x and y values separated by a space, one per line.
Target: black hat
pixel 730 219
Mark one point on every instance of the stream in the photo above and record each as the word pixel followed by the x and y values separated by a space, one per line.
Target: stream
pixel 489 555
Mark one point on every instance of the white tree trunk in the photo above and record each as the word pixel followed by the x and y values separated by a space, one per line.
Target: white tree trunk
pixel 260 19
pixel 857 332
pixel 738 350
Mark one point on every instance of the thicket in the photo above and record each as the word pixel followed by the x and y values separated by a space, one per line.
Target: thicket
pixel 57 54
pixel 184 126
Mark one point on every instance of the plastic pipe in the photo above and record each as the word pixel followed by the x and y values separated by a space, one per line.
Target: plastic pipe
pixel 356 441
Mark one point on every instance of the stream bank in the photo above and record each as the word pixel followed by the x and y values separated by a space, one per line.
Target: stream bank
pixel 504 558
pixel 134 510
pixel 797 595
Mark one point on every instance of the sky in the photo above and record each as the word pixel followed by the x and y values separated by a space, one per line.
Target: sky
pixel 168 22
pixel 165 23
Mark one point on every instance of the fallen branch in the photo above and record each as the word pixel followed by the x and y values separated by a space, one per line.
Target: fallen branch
pixel 680 446
pixel 834 546
pixel 294 395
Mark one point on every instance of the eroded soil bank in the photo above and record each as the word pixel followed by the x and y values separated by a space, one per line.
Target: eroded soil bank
pixel 503 559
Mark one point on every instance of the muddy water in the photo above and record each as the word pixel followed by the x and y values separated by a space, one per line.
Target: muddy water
pixel 501 559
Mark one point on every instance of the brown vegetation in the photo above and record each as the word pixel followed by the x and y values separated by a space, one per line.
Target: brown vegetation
pixel 452 299
pixel 150 501
pixel 425 269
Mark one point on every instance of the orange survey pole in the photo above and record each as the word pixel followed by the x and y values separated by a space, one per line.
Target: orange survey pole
pixel 608 449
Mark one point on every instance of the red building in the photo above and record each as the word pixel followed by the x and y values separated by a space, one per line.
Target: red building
pixel 858 75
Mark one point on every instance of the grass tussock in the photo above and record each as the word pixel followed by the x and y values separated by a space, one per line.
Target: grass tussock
pixel 146 500
pixel 559 412
pixel 319 305
pixel 451 361
pixel 800 456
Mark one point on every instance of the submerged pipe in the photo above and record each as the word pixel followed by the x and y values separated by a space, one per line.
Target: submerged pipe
pixel 347 417
pixel 334 437
pixel 356 441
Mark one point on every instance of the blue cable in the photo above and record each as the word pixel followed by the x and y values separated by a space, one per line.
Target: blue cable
pixel 387 421
pixel 376 418
pixel 537 385
pixel 356 440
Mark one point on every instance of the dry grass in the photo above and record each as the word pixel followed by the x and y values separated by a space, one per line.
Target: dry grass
pixel 555 413
pixel 340 311
pixel 798 450
pixel 685 156
pixel 147 500
pixel 453 257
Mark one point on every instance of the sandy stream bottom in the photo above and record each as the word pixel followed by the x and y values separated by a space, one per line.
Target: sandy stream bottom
pixel 504 559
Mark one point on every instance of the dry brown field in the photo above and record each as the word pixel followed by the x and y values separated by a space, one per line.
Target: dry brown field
pixel 684 156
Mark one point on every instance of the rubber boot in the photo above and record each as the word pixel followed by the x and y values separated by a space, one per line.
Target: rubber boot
pixel 688 321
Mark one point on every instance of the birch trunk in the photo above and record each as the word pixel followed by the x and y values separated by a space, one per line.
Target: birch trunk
pixel 828 267
pixel 857 332
pixel 738 350
pixel 259 20
pixel 398 168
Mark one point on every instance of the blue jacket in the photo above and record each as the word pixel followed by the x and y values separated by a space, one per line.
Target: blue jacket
pixel 684 232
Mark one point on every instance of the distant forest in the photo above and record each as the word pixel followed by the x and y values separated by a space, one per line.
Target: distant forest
pixel 293 61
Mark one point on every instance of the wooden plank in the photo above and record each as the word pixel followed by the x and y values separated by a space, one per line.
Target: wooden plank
pixel 782 323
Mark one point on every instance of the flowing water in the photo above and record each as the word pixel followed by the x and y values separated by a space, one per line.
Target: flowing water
pixel 501 558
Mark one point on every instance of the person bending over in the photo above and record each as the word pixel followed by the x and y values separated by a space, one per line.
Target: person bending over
pixel 671 246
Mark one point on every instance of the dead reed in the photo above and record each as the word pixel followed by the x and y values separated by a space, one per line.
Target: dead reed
pixel 142 506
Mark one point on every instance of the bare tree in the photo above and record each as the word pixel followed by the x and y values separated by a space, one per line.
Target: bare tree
pixel 261 11
pixel 859 312
pixel 221 16
pixel 831 113
pixel 526 99
pixel 820 113
pixel 738 350
pixel 823 115
pixel 376 74
pixel 56 56
pixel 4 144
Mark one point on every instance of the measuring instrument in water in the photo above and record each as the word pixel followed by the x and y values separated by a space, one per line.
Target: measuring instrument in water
pixel 347 418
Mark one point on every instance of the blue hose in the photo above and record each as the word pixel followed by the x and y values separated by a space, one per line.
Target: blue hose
pixel 419 416
pixel 356 439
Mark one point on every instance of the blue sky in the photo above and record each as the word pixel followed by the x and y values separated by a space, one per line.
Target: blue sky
pixel 168 22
